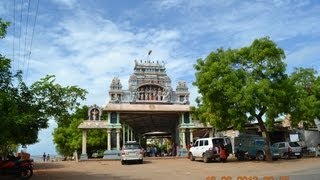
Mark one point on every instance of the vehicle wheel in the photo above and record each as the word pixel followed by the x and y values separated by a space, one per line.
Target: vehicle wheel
pixel 240 157
pixel 218 159
pixel 205 158
pixel 26 173
pixel 260 156
pixel 286 156
pixel 299 157
pixel 192 158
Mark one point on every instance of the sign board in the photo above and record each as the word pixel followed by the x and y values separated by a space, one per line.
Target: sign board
pixel 294 137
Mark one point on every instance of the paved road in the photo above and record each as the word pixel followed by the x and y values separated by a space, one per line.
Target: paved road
pixel 176 169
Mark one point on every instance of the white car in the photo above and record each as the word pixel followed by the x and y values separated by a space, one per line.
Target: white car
pixel 207 148
pixel 131 151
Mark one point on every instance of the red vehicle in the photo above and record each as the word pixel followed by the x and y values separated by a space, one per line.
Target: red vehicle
pixel 14 166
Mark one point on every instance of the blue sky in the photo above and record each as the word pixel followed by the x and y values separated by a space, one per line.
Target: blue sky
pixel 87 43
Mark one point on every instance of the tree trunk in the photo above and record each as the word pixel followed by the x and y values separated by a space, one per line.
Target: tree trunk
pixel 266 135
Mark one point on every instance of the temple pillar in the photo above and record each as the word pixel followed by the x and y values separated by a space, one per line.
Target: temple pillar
pixel 109 139
pixel 191 135
pixel 183 151
pixel 84 145
pixel 123 134
pixel 118 139
pixel 183 132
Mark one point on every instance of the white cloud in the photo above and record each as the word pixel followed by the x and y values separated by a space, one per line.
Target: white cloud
pixel 305 56
pixel 66 3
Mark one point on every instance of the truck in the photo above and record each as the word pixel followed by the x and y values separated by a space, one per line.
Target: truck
pixel 247 146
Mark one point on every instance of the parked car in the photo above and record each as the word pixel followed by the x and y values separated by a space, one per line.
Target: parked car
pixel 288 149
pixel 206 148
pixel 247 146
pixel 132 151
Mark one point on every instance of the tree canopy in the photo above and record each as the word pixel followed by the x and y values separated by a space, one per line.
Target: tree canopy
pixel 25 110
pixel 68 137
pixel 305 104
pixel 238 86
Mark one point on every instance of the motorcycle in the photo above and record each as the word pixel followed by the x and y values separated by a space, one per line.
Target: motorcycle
pixel 14 166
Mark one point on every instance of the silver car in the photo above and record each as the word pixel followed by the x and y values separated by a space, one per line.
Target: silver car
pixel 288 149
pixel 131 151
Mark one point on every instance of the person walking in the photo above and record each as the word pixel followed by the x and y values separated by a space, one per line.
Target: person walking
pixel 48 158
pixel 44 157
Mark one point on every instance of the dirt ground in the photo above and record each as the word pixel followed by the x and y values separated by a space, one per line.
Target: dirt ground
pixel 179 168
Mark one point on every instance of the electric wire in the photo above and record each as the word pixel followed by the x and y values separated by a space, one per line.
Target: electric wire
pixel 25 36
pixel 14 32
pixel 30 47
pixel 19 54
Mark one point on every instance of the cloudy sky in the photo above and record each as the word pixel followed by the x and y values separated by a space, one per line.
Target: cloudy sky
pixel 87 43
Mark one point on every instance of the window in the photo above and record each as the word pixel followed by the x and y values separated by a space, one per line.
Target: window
pixel 113 119
pixel 281 145
pixel 132 146
pixel 196 144
pixel 217 141
pixel 260 142
pixel 294 144
pixel 186 118
pixel 181 98
pixel 206 142
pixel 201 143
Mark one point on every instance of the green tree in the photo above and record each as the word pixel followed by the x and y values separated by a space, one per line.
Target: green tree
pixel 238 86
pixel 68 137
pixel 25 110
pixel 305 99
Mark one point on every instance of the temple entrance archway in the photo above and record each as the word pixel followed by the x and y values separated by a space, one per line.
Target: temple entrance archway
pixel 149 108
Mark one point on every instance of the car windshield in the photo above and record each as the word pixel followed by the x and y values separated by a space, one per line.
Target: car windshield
pixel 131 146
pixel 217 141
pixel 294 144
pixel 275 145
pixel 260 142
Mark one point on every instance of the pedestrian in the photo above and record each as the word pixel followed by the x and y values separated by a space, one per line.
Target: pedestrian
pixel 48 158
pixel 148 151
pixel 188 147
pixel 155 151
pixel 174 150
pixel 44 157
pixel 222 153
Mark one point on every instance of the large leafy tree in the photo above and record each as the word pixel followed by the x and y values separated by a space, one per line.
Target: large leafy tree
pixel 238 86
pixel 25 110
pixel 305 101
pixel 68 137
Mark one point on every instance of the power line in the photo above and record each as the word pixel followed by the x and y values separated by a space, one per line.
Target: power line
pixel 25 36
pixel 19 55
pixel 34 24
pixel 14 32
